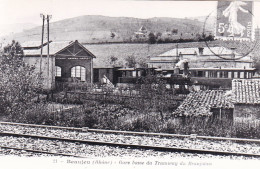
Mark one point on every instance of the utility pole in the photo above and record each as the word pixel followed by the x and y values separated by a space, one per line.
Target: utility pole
pixel 48 49
pixel 43 19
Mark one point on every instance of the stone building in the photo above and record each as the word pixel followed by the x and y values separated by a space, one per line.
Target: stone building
pixel 246 98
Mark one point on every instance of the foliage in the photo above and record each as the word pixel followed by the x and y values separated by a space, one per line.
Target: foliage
pixel 113 60
pixel 131 61
pixel 112 35
pixel 19 83
pixel 156 90
pixel 100 115
pixel 152 38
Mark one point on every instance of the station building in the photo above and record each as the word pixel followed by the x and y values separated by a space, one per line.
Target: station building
pixel 67 62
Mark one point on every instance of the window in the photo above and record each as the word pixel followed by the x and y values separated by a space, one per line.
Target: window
pixel 212 74
pixel 249 75
pixel 229 74
pixel 206 73
pixel 134 73
pixel 200 73
pixel 235 74
pixel 218 74
pixel 242 74
pixel 79 72
pixel 225 74
pixel 57 71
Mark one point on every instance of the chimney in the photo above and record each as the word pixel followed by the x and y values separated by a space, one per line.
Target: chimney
pixel 201 50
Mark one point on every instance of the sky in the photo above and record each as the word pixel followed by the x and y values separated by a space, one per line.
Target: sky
pixel 28 11
pixel 17 11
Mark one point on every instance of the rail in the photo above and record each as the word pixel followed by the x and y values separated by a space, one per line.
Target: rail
pixel 124 145
pixel 86 129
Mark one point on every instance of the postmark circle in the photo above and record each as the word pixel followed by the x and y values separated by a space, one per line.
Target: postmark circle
pixel 234 35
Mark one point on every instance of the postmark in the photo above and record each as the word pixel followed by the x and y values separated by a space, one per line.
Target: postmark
pixel 233 29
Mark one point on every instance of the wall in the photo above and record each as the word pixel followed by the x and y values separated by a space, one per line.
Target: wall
pixel 214 82
pixel 247 111
pixel 108 72
pixel 220 113
pixel 162 65
pixel 223 64
pixel 48 83
pixel 66 64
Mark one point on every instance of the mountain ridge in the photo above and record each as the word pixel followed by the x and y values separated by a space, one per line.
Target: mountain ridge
pixel 98 28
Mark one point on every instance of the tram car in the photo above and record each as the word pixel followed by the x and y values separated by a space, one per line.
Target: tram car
pixel 178 76
pixel 209 78
pixel 219 77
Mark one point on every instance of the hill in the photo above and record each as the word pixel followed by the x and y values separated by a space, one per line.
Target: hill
pixel 15 28
pixel 98 29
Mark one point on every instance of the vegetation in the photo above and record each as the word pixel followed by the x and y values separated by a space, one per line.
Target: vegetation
pixel 171 37
pixel 19 83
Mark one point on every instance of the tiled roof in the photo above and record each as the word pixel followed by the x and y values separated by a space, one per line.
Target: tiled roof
pixel 54 48
pixel 246 91
pixel 200 102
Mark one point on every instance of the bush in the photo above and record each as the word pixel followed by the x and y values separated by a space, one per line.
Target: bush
pixel 19 85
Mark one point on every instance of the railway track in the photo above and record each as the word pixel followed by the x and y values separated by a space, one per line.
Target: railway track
pixel 95 137
pixel 40 151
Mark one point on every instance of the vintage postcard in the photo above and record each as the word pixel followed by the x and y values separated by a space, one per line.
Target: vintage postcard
pixel 129 84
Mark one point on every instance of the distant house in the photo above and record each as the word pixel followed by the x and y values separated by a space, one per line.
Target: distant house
pixel 141 33
pixel 201 57
pixel 67 62
pixel 246 98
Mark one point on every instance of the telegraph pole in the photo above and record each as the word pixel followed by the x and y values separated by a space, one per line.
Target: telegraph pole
pixel 48 48
pixel 43 19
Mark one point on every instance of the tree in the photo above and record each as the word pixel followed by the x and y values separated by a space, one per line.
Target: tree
pixel 131 61
pixel 113 60
pixel 19 83
pixel 155 90
pixel 152 38
pixel 175 31
pixel 158 35
pixel 112 35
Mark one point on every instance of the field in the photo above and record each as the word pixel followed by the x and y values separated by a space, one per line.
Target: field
pixel 143 51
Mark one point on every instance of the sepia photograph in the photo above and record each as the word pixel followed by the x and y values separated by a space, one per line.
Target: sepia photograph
pixel 129 84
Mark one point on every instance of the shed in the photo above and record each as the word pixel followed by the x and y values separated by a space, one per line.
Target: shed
pixel 246 98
